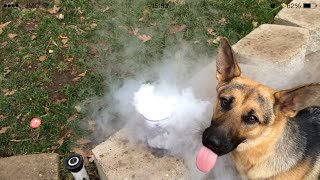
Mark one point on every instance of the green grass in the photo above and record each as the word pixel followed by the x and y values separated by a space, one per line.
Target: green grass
pixel 108 52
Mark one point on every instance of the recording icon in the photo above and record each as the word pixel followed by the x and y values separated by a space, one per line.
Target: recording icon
pixel 309 5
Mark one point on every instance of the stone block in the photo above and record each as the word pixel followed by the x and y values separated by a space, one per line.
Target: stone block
pixel 303 17
pixel 118 159
pixel 32 167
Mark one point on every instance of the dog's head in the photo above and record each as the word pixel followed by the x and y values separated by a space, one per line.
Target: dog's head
pixel 246 112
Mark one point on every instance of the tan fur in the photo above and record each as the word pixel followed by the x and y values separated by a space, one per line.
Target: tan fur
pixel 256 156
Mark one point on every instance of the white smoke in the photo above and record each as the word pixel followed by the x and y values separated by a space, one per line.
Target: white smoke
pixel 189 87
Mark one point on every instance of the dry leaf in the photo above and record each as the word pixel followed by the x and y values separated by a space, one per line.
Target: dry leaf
pixel 4 24
pixel 7 92
pixel 61 100
pixel 82 74
pixel 254 24
pixel 11 36
pixel 76 79
pixel 83 154
pixel 33 37
pixel 222 21
pixel 6 71
pixel 3 44
pixel 2 117
pixel 1 31
pixel 60 16
pixel 61 140
pixel 144 38
pixel 82 19
pixel 247 16
pixel 144 15
pixel 91 125
pixel 70 59
pixel 64 41
pixel 46 109
pixel 83 141
pixel 177 28
pixel 93 25
pixel 18 116
pixel 25 116
pixel 210 31
pixel 72 117
pixel 214 41
pixel 50 51
pixel 153 24
pixel 4 129
pixel 42 58
pixel 134 31
pixel 54 10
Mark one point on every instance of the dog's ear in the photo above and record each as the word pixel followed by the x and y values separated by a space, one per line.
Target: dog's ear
pixel 227 66
pixel 292 101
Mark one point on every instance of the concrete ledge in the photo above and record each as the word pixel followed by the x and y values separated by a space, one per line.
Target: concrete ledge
pixel 117 159
pixel 306 18
pixel 31 167
pixel 275 44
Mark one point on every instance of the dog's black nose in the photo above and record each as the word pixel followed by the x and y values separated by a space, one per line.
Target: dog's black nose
pixel 213 142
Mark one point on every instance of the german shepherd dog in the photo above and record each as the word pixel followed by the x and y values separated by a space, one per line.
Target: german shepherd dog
pixel 270 134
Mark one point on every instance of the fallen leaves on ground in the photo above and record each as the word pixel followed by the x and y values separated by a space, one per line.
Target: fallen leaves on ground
pixel 144 38
pixel 6 71
pixel 2 117
pixel 46 109
pixel 83 154
pixel 64 39
pixel 12 36
pixel 145 14
pixel 60 16
pixel 59 101
pixel 18 116
pixel 93 25
pixel 42 58
pixel 91 125
pixel 82 19
pixel 72 117
pixel 4 129
pixel 66 134
pixel 210 31
pixel 54 10
pixel 25 116
pixel 246 16
pixel 79 76
pixel 153 24
pixel 222 21
pixel 33 37
pixel 3 25
pixel 134 31
pixel 83 141
pixel 3 43
pixel 8 92
pixel 177 28
pixel 255 24
pixel 214 41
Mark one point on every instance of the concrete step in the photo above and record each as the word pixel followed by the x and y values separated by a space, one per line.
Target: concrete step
pixel 31 167
pixel 305 18
pixel 117 159
pixel 273 44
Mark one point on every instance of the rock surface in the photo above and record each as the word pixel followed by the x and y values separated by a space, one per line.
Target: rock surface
pixel 305 18
pixel 31 167
pixel 117 159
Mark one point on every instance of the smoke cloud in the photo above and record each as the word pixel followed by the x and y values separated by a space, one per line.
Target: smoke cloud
pixel 184 77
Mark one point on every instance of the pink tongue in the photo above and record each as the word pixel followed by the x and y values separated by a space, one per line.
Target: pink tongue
pixel 205 159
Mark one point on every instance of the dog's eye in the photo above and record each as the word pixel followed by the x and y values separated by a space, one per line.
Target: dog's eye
pixel 251 119
pixel 225 103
